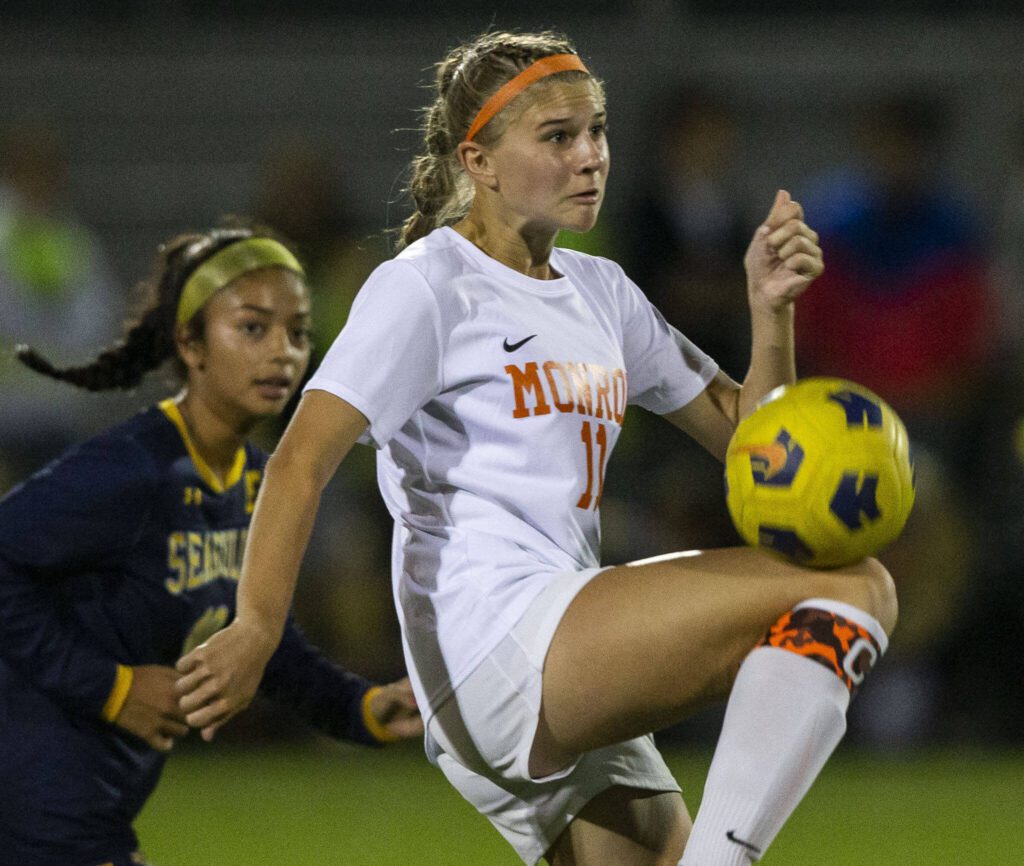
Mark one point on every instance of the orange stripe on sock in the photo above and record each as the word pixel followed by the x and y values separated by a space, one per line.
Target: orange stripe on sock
pixel 824 637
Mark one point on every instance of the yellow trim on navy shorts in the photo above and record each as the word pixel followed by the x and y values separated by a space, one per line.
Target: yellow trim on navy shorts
pixel 173 413
pixel 118 694
pixel 376 729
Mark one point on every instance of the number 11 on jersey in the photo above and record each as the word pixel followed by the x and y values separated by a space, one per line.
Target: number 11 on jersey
pixel 589 436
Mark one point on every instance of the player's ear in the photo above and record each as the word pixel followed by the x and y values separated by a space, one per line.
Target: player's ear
pixel 191 348
pixel 477 163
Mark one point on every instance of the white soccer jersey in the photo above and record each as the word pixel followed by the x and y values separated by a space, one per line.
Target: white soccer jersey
pixel 495 400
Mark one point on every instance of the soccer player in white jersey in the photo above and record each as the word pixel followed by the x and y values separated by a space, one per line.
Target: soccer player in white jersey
pixel 492 371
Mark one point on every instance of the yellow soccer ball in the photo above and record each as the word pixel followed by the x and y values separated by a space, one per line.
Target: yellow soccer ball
pixel 820 473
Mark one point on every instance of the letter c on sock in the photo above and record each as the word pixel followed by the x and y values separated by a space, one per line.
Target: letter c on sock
pixel 853 655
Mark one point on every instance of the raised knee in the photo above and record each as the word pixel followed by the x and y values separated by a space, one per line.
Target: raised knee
pixel 876 592
pixel 885 589
pixel 867 585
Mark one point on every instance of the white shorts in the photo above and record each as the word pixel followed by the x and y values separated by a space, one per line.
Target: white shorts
pixel 481 737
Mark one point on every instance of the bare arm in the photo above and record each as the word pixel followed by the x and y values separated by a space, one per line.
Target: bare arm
pixel 781 262
pixel 220 677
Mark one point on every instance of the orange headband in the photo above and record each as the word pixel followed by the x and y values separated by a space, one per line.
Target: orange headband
pixel 541 69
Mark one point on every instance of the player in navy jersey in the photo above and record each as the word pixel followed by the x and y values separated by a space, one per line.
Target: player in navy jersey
pixel 124 554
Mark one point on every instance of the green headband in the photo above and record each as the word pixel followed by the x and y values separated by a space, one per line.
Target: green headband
pixel 229 264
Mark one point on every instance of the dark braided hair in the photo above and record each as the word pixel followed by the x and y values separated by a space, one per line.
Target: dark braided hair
pixel 464 81
pixel 150 341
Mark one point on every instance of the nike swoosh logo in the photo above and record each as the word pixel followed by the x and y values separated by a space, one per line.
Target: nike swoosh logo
pixel 732 837
pixel 511 347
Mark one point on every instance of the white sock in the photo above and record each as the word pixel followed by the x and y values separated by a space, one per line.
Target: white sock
pixel 785 716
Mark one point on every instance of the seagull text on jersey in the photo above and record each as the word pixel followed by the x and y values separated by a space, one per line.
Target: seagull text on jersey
pixel 568 386
pixel 195 559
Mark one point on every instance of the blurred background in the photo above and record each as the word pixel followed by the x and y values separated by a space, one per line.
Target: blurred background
pixel 901 131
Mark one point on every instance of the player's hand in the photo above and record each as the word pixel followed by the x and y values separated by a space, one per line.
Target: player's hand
pixel 394 708
pixel 150 711
pixel 784 258
pixel 220 677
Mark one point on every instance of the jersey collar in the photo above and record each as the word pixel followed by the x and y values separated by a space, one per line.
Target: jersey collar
pixel 173 413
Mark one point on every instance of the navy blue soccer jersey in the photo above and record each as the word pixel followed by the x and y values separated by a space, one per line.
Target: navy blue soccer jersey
pixel 125 551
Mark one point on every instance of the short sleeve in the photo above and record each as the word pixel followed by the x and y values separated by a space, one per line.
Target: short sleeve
pixel 665 370
pixel 386 361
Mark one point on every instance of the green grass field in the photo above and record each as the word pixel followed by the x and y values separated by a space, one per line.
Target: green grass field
pixel 321 803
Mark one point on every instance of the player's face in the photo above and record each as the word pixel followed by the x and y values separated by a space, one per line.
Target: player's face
pixel 551 163
pixel 256 344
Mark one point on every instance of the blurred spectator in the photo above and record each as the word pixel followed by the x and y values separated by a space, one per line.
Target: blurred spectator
pixel 684 240
pixel 57 293
pixel 906 306
pixel 300 195
pixel 686 231
pixel 986 693
pixel 344 597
